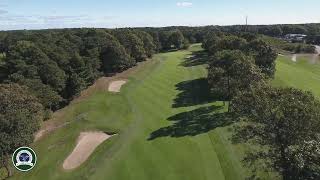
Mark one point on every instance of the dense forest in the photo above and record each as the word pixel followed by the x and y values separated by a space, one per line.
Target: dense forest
pixel 43 70
pixel 270 34
pixel 56 65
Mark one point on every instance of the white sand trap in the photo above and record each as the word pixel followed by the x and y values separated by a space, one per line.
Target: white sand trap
pixel 115 86
pixel 87 143
pixel 294 58
pixel 315 57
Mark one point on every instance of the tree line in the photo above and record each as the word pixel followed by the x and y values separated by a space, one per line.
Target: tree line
pixel 42 71
pixel 57 64
pixel 285 122
pixel 197 34
pixel 284 46
pixel 271 34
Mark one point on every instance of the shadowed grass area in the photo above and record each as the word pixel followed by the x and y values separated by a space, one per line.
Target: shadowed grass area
pixel 196 58
pixel 195 122
pixel 192 92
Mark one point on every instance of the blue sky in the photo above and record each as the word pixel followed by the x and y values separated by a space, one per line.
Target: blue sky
pixel 38 14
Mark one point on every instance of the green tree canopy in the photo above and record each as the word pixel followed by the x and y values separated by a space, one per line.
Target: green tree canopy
pixel 132 43
pixel 230 72
pixel 20 116
pixel 49 98
pixel 265 56
pixel 219 42
pixel 148 42
pixel 26 59
pixel 286 121
pixel 115 58
pixel 177 39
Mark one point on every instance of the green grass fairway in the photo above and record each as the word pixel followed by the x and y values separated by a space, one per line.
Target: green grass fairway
pixel 167 129
pixel 301 74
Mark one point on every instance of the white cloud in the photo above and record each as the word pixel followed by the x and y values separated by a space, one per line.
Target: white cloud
pixel 184 4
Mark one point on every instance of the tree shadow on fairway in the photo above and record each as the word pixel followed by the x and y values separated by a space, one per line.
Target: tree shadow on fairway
pixel 196 59
pixel 195 122
pixel 193 92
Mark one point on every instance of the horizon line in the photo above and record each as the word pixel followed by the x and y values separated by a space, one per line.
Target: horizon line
pixel 135 27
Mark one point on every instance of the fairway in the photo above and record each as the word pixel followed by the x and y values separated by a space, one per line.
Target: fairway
pixel 166 129
pixel 301 74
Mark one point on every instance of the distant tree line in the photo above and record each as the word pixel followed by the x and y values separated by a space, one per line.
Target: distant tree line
pixel 285 122
pixel 197 34
pixel 284 46
pixel 270 34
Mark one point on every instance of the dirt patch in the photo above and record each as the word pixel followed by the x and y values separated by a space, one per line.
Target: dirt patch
pixel 115 86
pixel 51 125
pixel 86 144
pixel 48 129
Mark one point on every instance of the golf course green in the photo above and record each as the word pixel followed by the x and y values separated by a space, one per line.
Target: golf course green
pixel 167 126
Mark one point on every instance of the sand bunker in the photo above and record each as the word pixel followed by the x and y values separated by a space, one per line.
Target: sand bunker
pixel 294 58
pixel 115 86
pixel 87 143
pixel 315 57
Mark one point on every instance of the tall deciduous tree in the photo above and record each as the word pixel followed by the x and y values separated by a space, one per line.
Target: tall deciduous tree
pixel 265 56
pixel 133 44
pixel 75 84
pixel 177 39
pixel 26 59
pixel 287 121
pixel 156 40
pixel 49 98
pixel 164 37
pixel 115 58
pixel 20 116
pixel 232 71
pixel 148 42
pixel 218 42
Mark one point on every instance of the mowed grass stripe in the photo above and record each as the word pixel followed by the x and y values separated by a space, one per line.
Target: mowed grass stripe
pixel 170 161
pixel 230 164
pixel 146 101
